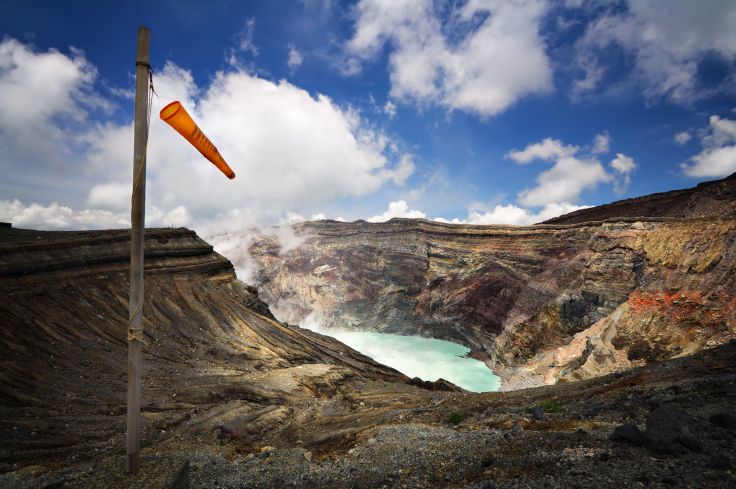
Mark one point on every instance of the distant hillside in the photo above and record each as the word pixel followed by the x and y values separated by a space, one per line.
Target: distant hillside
pixel 707 199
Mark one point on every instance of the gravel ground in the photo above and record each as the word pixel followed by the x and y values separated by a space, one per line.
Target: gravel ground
pixel 662 426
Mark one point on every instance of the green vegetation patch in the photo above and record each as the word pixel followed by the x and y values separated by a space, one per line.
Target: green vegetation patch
pixel 549 406
pixel 455 417
pixel 552 406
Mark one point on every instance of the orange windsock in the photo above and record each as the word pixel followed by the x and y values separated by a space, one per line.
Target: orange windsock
pixel 177 117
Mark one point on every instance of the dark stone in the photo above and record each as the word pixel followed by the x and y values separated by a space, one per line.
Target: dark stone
pixel 720 461
pixel 724 420
pixel 628 433
pixel 538 413
pixel 182 480
pixel 575 312
pixel 224 431
pixel 672 430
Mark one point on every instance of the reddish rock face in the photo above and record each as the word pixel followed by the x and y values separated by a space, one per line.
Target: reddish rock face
pixel 562 301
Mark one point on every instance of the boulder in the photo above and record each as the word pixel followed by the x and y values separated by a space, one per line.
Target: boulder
pixel 628 433
pixel 672 430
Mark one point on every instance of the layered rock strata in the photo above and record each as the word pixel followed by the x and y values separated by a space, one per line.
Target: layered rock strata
pixel 608 295
pixel 213 350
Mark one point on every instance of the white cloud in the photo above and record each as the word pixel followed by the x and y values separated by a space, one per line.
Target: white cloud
pixel 592 74
pixel 295 58
pixel 403 170
pixel 397 209
pixel 716 162
pixel 245 37
pixel 565 181
pixel 722 131
pixel 35 86
pixel 602 143
pixel 55 216
pixel 483 68
pixel 511 214
pixel 682 137
pixel 667 39
pixel 177 217
pixel 110 196
pixel 571 174
pixel 623 166
pixel 292 151
pixel 718 157
pixel 547 149
pixel 288 148
pixel 499 214
pixel 45 97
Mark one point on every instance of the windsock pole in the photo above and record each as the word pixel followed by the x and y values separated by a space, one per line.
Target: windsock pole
pixel 137 218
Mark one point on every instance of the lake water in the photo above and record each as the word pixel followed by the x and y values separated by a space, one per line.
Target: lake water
pixel 426 358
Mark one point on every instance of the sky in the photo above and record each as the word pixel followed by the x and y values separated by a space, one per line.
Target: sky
pixel 477 111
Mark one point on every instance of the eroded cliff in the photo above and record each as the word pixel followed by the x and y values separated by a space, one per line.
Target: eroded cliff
pixel 213 353
pixel 542 303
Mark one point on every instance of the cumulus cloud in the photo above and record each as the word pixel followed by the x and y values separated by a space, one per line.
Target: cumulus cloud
pixel 45 97
pixel 574 170
pixel 292 150
pixel 519 216
pixel 667 39
pixel 565 181
pixel 547 149
pixel 397 209
pixel 59 217
pixel 483 58
pixel 623 166
pixel 56 216
pixel 718 157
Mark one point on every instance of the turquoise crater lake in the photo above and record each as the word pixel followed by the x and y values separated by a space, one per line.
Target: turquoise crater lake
pixel 426 358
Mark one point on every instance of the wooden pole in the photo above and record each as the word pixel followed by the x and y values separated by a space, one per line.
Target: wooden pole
pixel 137 218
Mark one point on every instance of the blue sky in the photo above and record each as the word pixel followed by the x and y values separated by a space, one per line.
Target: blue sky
pixel 478 111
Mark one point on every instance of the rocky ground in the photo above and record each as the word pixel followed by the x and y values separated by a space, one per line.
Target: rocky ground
pixel 666 425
